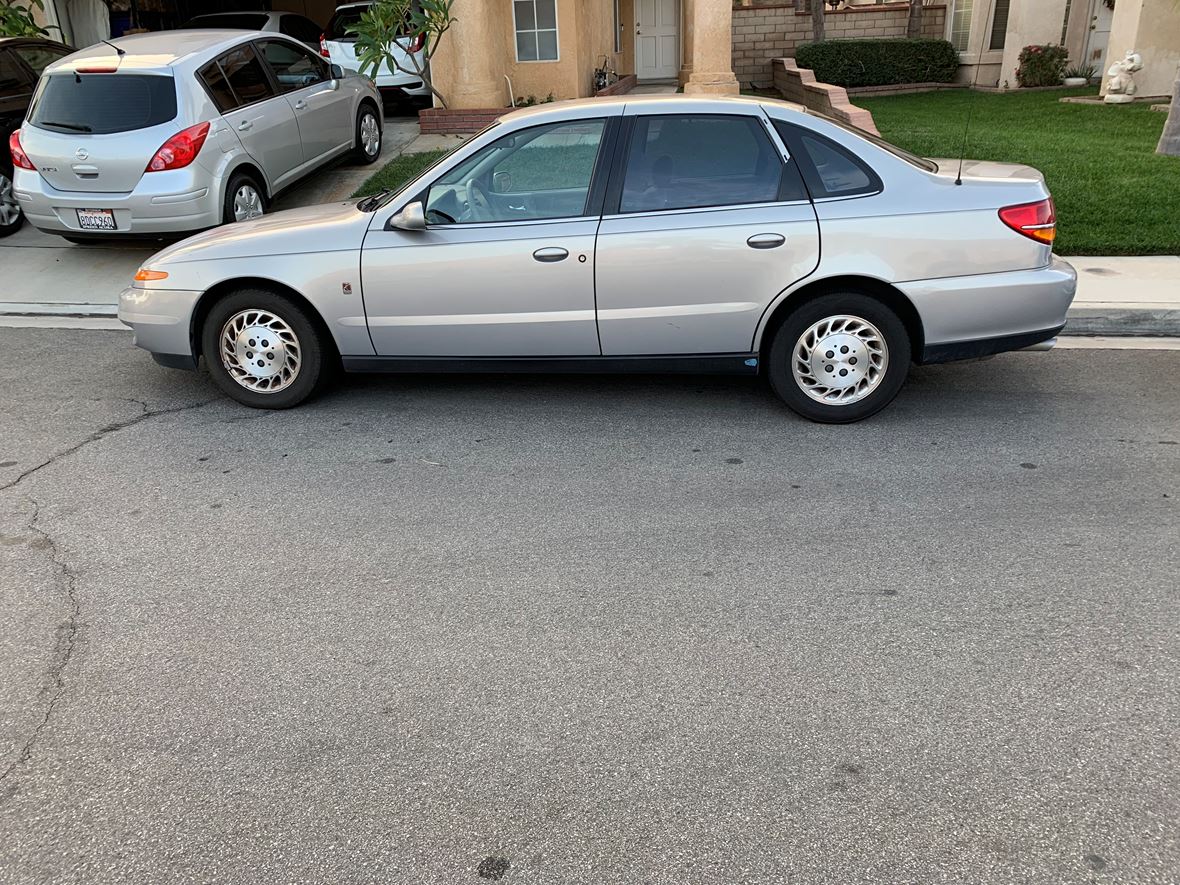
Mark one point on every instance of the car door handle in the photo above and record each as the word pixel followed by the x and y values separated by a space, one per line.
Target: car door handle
pixel 244 125
pixel 765 241
pixel 551 254
pixel 300 105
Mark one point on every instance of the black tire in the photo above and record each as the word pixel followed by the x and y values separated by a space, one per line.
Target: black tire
pixel 6 194
pixel 313 352
pixel 359 154
pixel 850 304
pixel 237 181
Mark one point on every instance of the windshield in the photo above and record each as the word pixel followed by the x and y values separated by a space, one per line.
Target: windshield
pixel 913 159
pixel 103 103
pixel 376 201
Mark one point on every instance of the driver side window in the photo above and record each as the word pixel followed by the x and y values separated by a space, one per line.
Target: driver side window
pixel 528 175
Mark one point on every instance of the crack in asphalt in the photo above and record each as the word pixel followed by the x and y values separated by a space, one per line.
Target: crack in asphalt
pixel 102 432
pixel 68 581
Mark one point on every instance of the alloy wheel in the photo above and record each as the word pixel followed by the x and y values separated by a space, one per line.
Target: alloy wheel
pixel 370 135
pixel 260 351
pixel 247 203
pixel 9 208
pixel 840 360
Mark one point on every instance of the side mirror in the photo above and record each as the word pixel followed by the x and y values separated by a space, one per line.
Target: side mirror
pixel 412 217
pixel 336 71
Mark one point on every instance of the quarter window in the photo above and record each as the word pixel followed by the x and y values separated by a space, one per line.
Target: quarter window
pixel 293 66
pixel 536 29
pixel 529 175
pixel 685 162
pixel 833 170
pixel 246 77
pixel 218 87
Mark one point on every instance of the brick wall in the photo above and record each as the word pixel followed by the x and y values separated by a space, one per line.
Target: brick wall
pixel 799 85
pixel 764 33
pixel 457 121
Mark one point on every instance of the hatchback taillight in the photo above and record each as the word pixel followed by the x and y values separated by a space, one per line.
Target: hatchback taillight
pixel 324 46
pixel 180 150
pixel 19 158
pixel 417 42
pixel 1037 221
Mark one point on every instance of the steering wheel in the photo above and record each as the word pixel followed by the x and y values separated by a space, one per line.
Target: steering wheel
pixel 478 205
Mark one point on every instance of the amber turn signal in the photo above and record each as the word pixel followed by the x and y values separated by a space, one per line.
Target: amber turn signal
pixel 144 275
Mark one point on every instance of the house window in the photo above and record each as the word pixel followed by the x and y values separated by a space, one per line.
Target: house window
pixel 536 29
pixel 999 25
pixel 960 36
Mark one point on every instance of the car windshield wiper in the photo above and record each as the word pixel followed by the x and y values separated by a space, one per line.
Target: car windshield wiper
pixel 368 204
pixel 74 127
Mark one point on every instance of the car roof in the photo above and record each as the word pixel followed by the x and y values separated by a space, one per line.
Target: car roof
pixel 160 49
pixel 674 103
pixel 267 12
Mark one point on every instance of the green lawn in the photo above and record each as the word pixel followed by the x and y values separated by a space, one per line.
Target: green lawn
pixel 397 172
pixel 1114 194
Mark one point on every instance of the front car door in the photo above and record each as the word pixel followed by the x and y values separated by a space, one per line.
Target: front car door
pixel 263 120
pixel 322 109
pixel 707 221
pixel 505 267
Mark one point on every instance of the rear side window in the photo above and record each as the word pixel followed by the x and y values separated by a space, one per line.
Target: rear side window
pixel 39 57
pixel 686 162
pixel 103 103
pixel 246 77
pixel 242 21
pixel 300 28
pixel 831 170
pixel 218 87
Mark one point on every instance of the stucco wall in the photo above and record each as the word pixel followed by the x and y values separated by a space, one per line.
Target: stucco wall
pixel 764 33
pixel 1029 23
pixel 1152 28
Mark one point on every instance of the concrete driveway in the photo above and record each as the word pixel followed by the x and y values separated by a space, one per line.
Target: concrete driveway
pixel 42 273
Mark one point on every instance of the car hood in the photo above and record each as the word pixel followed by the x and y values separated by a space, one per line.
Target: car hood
pixel 327 228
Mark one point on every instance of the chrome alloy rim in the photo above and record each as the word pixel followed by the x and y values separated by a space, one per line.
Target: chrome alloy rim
pixel 370 135
pixel 260 351
pixel 9 207
pixel 247 203
pixel 840 360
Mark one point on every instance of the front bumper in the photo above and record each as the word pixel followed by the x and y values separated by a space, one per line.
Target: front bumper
pixel 162 202
pixel 982 314
pixel 162 322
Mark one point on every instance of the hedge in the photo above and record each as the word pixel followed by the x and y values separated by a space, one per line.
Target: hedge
pixel 879 62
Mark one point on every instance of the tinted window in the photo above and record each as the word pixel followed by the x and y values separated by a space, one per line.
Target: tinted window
pixel 682 162
pixel 218 87
pixel 244 72
pixel 300 28
pixel 39 57
pixel 293 66
pixel 12 77
pixel 247 21
pixel 838 173
pixel 103 103
pixel 537 173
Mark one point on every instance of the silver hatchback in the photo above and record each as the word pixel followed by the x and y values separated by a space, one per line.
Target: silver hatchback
pixel 183 130
pixel 653 234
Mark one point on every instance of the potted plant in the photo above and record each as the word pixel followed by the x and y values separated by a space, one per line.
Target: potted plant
pixel 1078 75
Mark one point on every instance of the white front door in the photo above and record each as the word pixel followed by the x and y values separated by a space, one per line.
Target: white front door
pixel 657 39
pixel 1099 37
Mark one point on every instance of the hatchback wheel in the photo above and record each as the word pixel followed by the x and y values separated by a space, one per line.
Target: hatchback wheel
pixel 263 350
pixel 368 136
pixel 11 216
pixel 244 199
pixel 839 358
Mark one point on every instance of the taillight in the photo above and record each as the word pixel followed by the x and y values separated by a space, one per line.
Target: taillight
pixel 19 158
pixel 180 150
pixel 417 43
pixel 1037 221
pixel 324 46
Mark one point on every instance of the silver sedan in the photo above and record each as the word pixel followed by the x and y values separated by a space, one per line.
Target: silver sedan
pixel 654 234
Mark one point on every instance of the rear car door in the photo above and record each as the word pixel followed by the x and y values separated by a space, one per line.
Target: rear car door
pixel 505 267
pixel 322 110
pixel 263 120
pixel 706 221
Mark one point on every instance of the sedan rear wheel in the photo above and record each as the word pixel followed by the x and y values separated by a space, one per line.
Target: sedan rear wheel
pixel 263 350
pixel 839 358
pixel 11 215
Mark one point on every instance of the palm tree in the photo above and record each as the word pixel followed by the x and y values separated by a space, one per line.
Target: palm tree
pixel 1170 140
pixel 913 25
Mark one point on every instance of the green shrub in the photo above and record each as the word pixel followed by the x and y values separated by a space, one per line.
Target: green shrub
pixel 1042 65
pixel 879 62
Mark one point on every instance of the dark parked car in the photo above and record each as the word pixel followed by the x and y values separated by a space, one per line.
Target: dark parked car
pixel 22 59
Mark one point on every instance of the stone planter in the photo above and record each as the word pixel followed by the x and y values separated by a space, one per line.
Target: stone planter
pixel 1072 82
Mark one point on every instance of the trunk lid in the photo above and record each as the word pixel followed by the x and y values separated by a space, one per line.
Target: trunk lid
pixel 988 169
pixel 96 132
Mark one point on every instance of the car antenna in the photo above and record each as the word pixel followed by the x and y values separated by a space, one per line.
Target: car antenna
pixel 971 102
pixel 120 51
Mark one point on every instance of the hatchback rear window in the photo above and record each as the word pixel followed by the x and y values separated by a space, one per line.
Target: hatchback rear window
pixel 242 21
pixel 343 19
pixel 103 103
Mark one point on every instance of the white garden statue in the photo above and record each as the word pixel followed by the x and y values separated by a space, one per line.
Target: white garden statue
pixel 1120 89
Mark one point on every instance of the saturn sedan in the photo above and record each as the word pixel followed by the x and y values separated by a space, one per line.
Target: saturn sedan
pixel 653 234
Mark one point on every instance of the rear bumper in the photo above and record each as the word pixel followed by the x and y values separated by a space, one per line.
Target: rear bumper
pixel 162 322
pixel 964 317
pixel 163 202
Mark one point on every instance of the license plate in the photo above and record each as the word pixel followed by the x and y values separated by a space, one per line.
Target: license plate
pixel 96 219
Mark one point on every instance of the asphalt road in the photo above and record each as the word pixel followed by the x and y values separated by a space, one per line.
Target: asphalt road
pixel 588 630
